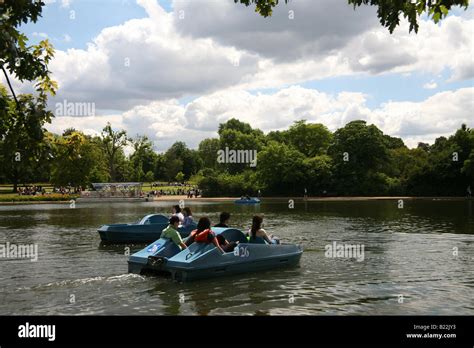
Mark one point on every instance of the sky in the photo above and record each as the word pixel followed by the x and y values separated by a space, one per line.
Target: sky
pixel 174 69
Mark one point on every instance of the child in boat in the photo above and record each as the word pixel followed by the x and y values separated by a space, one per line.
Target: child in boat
pixel 188 217
pixel 257 233
pixel 223 220
pixel 171 232
pixel 176 211
pixel 204 234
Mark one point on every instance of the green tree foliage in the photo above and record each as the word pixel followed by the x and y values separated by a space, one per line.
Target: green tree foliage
pixel 77 160
pixel 388 11
pixel 22 142
pixel 179 177
pixel 208 152
pixel 280 168
pixel 22 117
pixel 179 158
pixel 143 159
pixel 309 139
pixel 215 183
pixel 237 135
pixel 113 143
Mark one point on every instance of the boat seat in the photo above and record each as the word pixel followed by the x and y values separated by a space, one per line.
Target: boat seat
pixel 168 250
pixel 157 219
pixel 234 235
pixel 257 240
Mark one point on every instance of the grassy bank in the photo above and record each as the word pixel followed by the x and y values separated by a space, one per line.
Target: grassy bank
pixel 54 197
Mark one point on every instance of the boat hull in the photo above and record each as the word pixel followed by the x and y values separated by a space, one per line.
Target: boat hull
pixel 140 232
pixel 183 274
pixel 201 261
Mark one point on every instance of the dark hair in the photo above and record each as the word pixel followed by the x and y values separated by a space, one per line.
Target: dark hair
pixel 224 217
pixel 203 224
pixel 177 208
pixel 173 219
pixel 188 212
pixel 256 224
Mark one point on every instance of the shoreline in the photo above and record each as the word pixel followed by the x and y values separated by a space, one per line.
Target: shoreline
pixel 264 199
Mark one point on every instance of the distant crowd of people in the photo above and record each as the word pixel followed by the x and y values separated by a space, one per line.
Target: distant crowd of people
pixel 189 193
pixel 171 183
pixel 33 190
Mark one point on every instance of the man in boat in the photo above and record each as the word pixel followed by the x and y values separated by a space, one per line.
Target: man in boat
pixel 171 232
pixel 223 220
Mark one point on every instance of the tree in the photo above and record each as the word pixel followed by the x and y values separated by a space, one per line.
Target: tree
pixel 388 11
pixel 318 171
pixel 160 167
pixel 22 117
pixel 21 136
pixel 309 139
pixel 179 177
pixel 279 168
pixel 237 135
pixel 143 159
pixel 172 168
pixel 112 145
pixel 76 160
pixel 208 152
pixel 359 152
pixel 236 125
pixel 179 158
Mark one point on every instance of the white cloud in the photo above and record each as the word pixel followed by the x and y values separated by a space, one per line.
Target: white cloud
pixel 145 60
pixel 430 85
pixel 167 121
pixel 42 35
pixel 64 3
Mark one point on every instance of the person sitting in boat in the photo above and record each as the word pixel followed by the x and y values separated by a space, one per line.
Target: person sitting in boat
pixel 188 217
pixel 177 212
pixel 171 232
pixel 257 234
pixel 204 234
pixel 247 197
pixel 223 220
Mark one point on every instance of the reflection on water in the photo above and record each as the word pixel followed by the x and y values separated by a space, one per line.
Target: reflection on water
pixel 424 253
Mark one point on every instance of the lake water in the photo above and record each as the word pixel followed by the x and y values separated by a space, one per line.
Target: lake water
pixel 417 260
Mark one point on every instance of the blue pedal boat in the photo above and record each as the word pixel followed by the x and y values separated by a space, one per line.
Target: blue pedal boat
pixel 146 231
pixel 200 260
pixel 251 200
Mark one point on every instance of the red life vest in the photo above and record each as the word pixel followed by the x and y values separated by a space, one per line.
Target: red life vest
pixel 206 236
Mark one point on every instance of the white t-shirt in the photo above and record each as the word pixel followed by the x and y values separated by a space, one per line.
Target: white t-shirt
pixel 180 217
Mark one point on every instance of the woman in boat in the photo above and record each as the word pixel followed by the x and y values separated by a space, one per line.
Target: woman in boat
pixel 223 220
pixel 204 234
pixel 176 211
pixel 188 217
pixel 171 232
pixel 257 234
